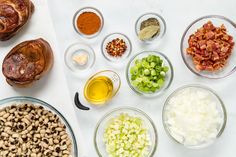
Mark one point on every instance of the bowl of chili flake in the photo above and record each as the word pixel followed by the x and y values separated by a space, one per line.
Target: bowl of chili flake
pixel 208 47
pixel 116 47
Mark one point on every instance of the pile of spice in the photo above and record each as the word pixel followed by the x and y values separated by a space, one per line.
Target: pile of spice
pixel 210 47
pixel 88 23
pixel 116 47
pixel 193 116
pixel 149 29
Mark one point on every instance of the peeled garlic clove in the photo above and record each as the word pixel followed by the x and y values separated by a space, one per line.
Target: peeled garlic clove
pixel 148 32
pixel 81 59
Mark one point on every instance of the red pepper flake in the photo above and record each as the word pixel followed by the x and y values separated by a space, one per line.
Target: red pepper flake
pixel 116 47
pixel 210 47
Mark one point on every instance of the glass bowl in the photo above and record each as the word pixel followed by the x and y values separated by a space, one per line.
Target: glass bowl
pixel 22 99
pixel 220 106
pixel 217 21
pixel 161 22
pixel 169 74
pixel 88 9
pixel 99 131
pixel 76 49
pixel 116 83
pixel 108 39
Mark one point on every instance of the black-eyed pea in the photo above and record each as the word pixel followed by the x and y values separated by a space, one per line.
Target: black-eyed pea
pixel 26 121
pixel 51 148
pixel 2 119
pixel 4 134
pixel 54 153
pixel 2 113
pixel 64 136
pixel 56 141
pixel 63 147
pixel 50 141
pixel 33 155
pixel 66 152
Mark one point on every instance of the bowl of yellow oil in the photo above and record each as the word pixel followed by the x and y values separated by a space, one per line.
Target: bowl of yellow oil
pixel 102 87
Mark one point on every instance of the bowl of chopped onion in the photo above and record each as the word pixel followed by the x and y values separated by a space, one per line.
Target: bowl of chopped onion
pixel 194 116
pixel 149 73
pixel 126 132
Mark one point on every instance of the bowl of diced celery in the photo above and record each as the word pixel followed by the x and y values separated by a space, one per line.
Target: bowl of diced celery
pixel 126 132
pixel 149 73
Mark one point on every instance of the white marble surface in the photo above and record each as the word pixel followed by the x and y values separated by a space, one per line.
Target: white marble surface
pixel 52 88
pixel 120 16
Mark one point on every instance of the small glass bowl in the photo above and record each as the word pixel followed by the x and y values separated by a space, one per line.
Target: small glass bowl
pixel 162 26
pixel 23 99
pixel 99 131
pixel 169 74
pixel 108 39
pixel 116 82
pixel 88 9
pixel 220 106
pixel 217 20
pixel 76 49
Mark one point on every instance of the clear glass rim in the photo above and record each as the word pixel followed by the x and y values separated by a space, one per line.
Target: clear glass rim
pixel 150 95
pixel 196 86
pixel 120 34
pixel 155 14
pixel 183 51
pixel 95 11
pixel 94 75
pixel 130 109
pixel 78 44
pixel 43 103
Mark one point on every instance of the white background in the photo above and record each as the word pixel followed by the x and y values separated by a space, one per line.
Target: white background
pixel 120 16
pixel 52 88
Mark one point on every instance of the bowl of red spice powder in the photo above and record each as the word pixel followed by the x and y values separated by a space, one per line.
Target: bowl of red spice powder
pixel 88 22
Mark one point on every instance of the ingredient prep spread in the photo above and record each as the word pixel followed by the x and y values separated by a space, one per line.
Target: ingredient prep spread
pixel 193 116
pixel 126 136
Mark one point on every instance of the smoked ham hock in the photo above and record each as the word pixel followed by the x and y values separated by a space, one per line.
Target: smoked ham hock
pixel 27 62
pixel 13 16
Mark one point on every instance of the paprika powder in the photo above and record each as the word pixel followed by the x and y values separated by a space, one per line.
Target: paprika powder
pixel 88 23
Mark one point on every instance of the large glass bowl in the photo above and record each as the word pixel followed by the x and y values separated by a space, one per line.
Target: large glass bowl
pixel 22 99
pixel 169 74
pixel 220 107
pixel 217 20
pixel 99 131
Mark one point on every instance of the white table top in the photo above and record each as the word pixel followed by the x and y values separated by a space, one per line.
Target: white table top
pixel 120 16
pixel 52 88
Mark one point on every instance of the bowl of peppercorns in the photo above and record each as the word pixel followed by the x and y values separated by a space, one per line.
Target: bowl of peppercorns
pixel 116 47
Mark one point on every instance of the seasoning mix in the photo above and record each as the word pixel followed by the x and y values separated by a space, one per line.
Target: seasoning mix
pixel 149 29
pixel 88 23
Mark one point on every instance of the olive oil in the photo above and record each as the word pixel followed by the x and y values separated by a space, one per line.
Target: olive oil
pixel 98 90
